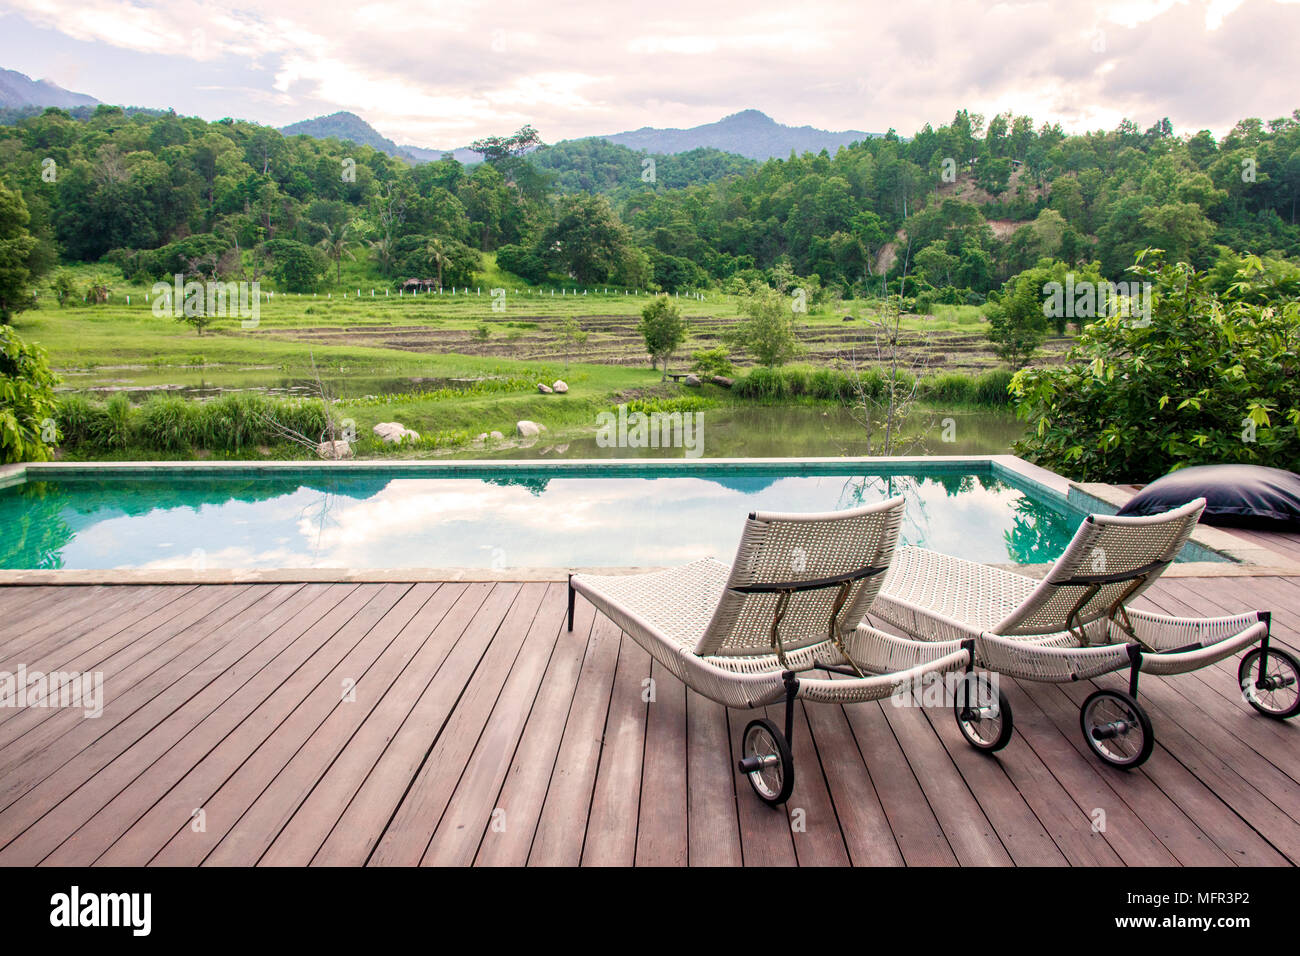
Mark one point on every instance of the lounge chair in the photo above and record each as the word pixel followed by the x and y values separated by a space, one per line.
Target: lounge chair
pixel 1075 625
pixel 790 603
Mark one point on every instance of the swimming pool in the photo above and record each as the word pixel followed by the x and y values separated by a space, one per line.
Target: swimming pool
pixel 488 515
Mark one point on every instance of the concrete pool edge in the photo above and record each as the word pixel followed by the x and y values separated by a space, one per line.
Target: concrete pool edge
pixel 1243 558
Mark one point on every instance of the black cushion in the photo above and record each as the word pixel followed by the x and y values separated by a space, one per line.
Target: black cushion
pixel 1245 496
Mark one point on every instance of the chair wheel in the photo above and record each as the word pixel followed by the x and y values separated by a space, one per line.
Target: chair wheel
pixel 1117 728
pixel 985 722
pixel 767 761
pixel 1276 693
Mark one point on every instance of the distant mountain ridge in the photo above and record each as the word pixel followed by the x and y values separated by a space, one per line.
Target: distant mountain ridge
pixel 749 133
pixel 345 126
pixel 19 90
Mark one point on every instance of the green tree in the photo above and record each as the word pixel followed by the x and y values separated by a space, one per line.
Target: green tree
pixel 1211 378
pixel 336 244
pixel 586 241
pixel 16 249
pixel 663 329
pixel 768 331
pixel 26 400
pixel 1017 324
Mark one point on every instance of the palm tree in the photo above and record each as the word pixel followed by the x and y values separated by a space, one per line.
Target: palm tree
pixel 437 253
pixel 383 250
pixel 336 245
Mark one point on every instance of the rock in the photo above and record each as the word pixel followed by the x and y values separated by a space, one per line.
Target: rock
pixel 721 380
pixel 529 429
pixel 481 436
pixel 850 318
pixel 395 433
pixel 560 386
pixel 692 381
pixel 334 450
pixel 496 436
pixel 544 388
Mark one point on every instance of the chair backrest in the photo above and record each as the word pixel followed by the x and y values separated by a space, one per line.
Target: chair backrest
pixel 1110 559
pixel 808 562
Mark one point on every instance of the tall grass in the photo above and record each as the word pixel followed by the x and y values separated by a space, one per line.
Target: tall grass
pixel 168 423
pixel 988 389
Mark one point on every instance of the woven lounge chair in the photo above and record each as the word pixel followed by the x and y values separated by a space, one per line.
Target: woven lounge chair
pixel 1075 625
pixel 790 603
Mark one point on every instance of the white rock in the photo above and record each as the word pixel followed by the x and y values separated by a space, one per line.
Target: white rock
pixel 560 386
pixel 334 449
pixel 693 381
pixel 529 429
pixel 481 436
pixel 496 436
pixel 395 433
pixel 544 388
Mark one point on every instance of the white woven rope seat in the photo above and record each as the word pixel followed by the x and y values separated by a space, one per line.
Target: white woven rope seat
pixel 1075 624
pixel 792 601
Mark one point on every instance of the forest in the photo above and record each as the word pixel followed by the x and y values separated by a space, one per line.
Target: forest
pixel 960 208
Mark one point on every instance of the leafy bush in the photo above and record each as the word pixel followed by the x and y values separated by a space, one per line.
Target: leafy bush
pixel 26 400
pixel 767 331
pixel 663 329
pixel 1210 379
pixel 714 361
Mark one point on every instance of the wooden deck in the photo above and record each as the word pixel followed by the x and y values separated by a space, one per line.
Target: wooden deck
pixel 478 730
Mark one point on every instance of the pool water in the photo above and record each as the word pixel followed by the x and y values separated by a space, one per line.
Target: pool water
pixel 542 517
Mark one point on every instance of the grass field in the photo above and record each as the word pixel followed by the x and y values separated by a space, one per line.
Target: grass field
pixel 448 365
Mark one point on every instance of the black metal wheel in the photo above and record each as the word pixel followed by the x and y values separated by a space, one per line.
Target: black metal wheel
pixel 767 761
pixel 983 717
pixel 1117 728
pixel 1274 692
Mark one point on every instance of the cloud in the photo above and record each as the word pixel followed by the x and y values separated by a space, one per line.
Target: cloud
pixel 443 73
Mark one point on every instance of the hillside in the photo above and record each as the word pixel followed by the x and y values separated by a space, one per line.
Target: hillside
pixel 18 90
pixel 749 133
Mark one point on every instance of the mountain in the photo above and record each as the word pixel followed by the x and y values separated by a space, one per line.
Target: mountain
pixel 18 90
pixel 343 126
pixel 464 155
pixel 749 133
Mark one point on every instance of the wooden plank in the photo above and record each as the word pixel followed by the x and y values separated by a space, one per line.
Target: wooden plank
pixel 181 781
pixel 443 618
pixel 713 837
pixel 407 836
pixel 119 757
pixel 916 829
pixel 863 823
pixel 354 836
pixel 34 620
pixel 460 831
pixel 615 807
pixel 1124 827
pixel 145 647
pixel 56 771
pixel 1236 793
pixel 509 837
pixel 1166 803
pixel 662 825
pixel 327 716
pixel 814 824
pixel 1023 836
pixel 69 621
pixel 562 823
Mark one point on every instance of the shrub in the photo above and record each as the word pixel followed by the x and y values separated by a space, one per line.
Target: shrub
pixel 663 329
pixel 714 361
pixel 27 404
pixel 1209 379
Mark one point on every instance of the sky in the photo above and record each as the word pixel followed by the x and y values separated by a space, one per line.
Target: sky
pixel 440 73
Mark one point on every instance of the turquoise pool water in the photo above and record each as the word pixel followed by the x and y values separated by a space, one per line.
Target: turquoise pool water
pixel 531 517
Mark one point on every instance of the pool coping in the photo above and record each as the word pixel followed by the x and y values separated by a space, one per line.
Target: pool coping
pixel 1245 559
